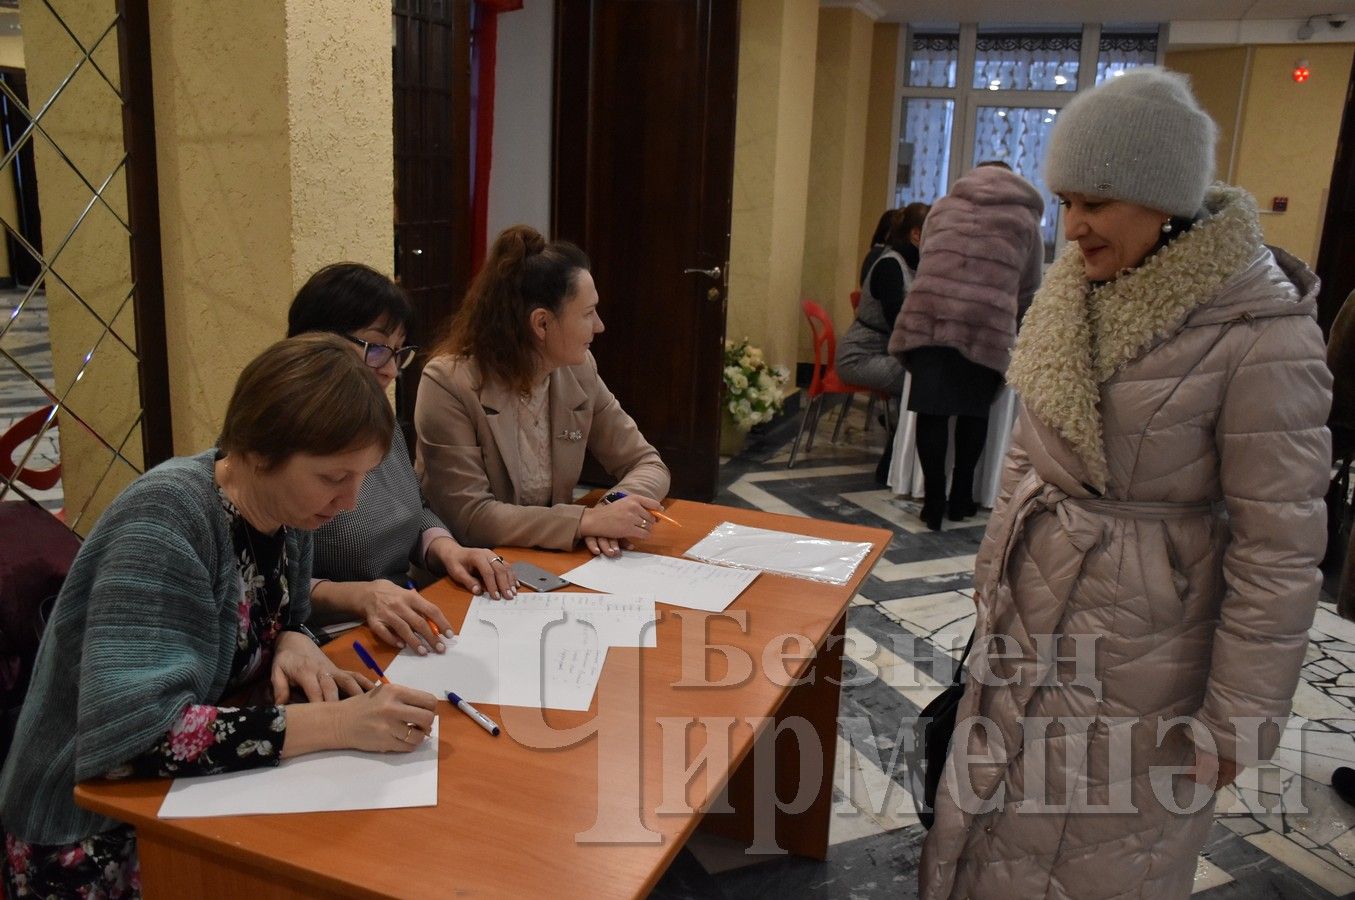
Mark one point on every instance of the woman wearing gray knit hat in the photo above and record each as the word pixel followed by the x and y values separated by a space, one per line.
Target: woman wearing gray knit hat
pixel 1158 529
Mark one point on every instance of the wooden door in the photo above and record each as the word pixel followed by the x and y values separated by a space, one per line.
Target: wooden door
pixel 643 171
pixel 432 167
pixel 1336 255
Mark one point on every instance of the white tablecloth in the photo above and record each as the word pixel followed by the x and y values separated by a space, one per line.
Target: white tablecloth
pixel 905 471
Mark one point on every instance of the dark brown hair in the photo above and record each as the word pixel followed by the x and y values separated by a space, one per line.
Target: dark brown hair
pixel 905 220
pixel 523 273
pixel 882 227
pixel 345 297
pixel 309 394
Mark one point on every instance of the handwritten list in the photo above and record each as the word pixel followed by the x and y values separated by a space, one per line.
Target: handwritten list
pixel 679 582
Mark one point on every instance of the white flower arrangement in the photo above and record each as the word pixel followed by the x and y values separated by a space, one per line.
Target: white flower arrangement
pixel 753 389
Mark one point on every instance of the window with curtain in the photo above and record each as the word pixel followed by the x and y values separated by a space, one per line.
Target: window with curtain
pixel 924 151
pixel 993 112
pixel 1124 50
pixel 1018 136
pixel 1027 61
pixel 934 57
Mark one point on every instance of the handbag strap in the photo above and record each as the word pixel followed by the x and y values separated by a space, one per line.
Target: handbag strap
pixel 959 665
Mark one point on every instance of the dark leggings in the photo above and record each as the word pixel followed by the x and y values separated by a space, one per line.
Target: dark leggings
pixel 970 434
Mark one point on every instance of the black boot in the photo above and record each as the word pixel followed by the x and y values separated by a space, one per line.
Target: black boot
pixel 882 467
pixel 932 511
pixel 960 508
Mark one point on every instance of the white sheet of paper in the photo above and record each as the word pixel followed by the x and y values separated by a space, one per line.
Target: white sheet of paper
pixel 533 658
pixel 680 582
pixel 620 620
pixel 317 782
pixel 798 555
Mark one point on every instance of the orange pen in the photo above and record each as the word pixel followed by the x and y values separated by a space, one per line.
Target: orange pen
pixel 669 519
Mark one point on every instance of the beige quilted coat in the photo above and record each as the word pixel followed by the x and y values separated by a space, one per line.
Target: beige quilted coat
pixel 1163 503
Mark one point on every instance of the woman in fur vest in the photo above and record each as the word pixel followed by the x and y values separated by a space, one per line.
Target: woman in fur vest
pixel 979 267
pixel 1149 574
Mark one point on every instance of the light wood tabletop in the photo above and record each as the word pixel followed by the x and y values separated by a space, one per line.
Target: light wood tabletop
pixel 592 803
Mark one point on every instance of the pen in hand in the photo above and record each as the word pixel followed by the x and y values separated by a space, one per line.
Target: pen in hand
pixel 656 513
pixel 369 662
pixel 433 626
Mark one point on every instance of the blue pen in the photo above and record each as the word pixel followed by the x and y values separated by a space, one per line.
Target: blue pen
pixel 480 718
pixel 370 663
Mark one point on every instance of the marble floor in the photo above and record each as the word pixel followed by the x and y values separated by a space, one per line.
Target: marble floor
pixel 1283 833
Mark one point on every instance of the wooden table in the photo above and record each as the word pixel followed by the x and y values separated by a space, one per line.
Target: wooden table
pixel 568 803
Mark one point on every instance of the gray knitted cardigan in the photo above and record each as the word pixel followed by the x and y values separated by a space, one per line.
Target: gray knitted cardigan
pixel 145 624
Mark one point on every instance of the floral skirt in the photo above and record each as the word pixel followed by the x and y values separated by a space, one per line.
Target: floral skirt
pixel 103 866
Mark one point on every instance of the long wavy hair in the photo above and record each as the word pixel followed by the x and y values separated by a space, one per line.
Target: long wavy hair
pixel 522 273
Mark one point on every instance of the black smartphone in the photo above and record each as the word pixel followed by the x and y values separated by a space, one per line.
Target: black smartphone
pixel 537 578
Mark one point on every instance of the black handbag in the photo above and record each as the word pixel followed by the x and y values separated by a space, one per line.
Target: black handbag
pixel 932 731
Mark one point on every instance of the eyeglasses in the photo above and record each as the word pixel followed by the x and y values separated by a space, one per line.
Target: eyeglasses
pixel 377 355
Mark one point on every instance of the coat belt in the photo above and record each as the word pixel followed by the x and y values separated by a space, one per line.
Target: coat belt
pixel 1085 522
pixel 1082 519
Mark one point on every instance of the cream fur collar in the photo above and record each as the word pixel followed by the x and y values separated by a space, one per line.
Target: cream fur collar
pixel 1074 338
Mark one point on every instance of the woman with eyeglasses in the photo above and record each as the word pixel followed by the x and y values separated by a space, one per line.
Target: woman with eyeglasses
pixel 364 557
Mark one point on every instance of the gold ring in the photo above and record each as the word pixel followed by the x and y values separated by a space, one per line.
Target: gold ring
pixel 409 729
pixel 498 559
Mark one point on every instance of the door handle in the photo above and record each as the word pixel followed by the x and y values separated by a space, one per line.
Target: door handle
pixel 709 273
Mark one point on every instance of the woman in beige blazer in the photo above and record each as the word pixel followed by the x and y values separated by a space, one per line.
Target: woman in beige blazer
pixel 512 399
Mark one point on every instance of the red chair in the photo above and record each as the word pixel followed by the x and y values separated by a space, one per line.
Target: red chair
pixel 23 430
pixel 825 381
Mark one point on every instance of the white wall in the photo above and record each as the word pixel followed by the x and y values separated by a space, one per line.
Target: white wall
pixel 519 177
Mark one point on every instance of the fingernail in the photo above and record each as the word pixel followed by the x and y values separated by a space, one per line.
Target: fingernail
pixel 475 590
pixel 496 596
pixel 422 651
pixel 441 646
pixel 399 645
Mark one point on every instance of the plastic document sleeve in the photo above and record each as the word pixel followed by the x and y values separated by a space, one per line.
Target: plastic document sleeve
pixel 798 555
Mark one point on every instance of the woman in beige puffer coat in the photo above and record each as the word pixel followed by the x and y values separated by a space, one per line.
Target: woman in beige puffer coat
pixel 1161 513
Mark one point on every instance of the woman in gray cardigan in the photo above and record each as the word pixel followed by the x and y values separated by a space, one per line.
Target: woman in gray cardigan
pixel 174 647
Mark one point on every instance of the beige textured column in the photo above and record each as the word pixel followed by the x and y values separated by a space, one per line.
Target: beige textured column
pixel 837 148
pixel 877 181
pixel 1286 145
pixel 94 370
pixel 771 169
pixel 273 131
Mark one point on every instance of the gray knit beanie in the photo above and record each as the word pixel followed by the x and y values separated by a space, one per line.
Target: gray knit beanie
pixel 1141 137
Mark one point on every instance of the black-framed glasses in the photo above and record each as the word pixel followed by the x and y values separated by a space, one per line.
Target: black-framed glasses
pixel 377 355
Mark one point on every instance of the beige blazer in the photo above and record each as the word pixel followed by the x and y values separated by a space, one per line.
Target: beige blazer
pixel 468 463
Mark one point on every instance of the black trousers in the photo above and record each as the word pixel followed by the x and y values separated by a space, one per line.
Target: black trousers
pixel 971 432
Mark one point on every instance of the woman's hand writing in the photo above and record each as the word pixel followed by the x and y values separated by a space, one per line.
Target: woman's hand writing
pixel 609 527
pixel 389 718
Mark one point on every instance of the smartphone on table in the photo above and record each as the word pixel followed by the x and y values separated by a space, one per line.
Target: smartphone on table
pixel 537 578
